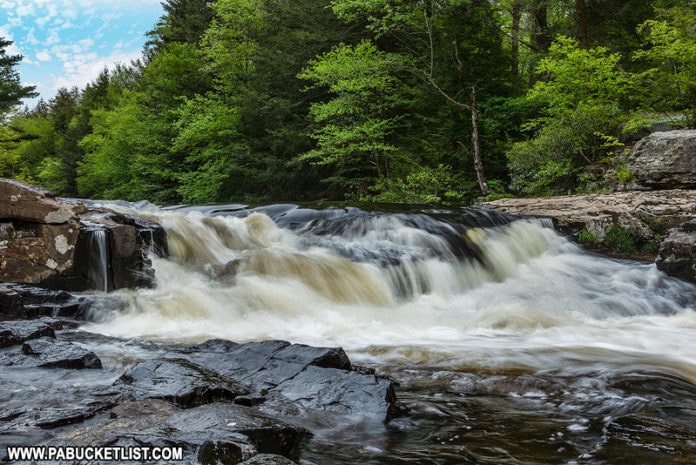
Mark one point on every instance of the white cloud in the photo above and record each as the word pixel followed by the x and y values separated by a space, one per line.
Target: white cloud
pixel 25 9
pixel 67 43
pixel 80 70
pixel 43 56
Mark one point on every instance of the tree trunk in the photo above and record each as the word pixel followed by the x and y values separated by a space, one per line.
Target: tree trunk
pixel 581 23
pixel 541 37
pixel 475 145
pixel 515 42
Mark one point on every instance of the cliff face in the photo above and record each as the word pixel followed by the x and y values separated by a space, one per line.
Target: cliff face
pixel 55 244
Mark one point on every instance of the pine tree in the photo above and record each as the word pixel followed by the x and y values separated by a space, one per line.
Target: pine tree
pixel 11 90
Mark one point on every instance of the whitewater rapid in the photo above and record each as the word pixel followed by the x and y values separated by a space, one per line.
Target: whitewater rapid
pixel 391 291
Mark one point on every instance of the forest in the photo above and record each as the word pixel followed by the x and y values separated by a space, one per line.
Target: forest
pixel 394 101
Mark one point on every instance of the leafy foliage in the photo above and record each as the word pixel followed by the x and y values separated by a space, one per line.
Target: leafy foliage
pixel 379 100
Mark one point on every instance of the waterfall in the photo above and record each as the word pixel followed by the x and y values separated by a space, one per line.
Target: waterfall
pixel 473 286
pixel 98 273
pixel 489 323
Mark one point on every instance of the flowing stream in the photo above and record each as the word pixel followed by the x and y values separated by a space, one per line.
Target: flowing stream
pixel 510 344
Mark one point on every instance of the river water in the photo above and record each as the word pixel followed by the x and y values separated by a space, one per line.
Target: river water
pixel 510 344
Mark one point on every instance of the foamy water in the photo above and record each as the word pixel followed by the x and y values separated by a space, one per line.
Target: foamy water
pixel 531 299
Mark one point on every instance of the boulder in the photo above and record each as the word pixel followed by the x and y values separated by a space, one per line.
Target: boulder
pixel 279 374
pixel 29 204
pixel 64 245
pixel 47 352
pixel 677 255
pixel 665 160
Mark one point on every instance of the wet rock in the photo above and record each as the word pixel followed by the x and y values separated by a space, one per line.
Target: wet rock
pixel 268 459
pixel 27 302
pixel 665 160
pixel 300 376
pixel 210 434
pixel 677 254
pixel 50 353
pixel 36 401
pixel 220 401
pixel 18 332
pixel 49 242
pixel 344 392
pixel 180 382
pixel 641 213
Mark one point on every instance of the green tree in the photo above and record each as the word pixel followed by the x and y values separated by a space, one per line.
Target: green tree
pixel 454 48
pixel 183 22
pixel 670 56
pixel 12 92
pixel 585 95
pixel 356 129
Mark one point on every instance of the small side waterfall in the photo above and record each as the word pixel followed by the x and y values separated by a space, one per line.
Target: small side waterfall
pixel 98 273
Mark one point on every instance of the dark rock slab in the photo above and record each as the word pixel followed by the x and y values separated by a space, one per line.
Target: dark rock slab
pixel 677 254
pixel 288 376
pixel 341 391
pixel 18 332
pixel 28 302
pixel 209 434
pixel 180 382
pixel 46 352
pixel 37 401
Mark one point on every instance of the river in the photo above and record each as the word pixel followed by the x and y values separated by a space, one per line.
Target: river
pixel 510 343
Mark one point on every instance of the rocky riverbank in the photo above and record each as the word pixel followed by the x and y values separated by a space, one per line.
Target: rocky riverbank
pixel 633 224
pixel 638 223
pixel 222 402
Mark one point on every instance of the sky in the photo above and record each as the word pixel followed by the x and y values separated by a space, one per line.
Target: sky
pixel 66 43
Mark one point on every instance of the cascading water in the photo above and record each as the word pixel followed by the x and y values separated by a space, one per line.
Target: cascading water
pixel 489 324
pixel 98 273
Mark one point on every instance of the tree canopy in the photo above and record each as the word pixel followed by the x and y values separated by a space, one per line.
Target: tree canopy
pixel 380 100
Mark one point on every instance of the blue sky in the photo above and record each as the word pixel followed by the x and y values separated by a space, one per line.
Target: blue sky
pixel 67 43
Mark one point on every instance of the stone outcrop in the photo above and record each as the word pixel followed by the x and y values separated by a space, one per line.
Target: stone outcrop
pixel 642 213
pixel 18 301
pixel 62 245
pixel 677 255
pixel 664 160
